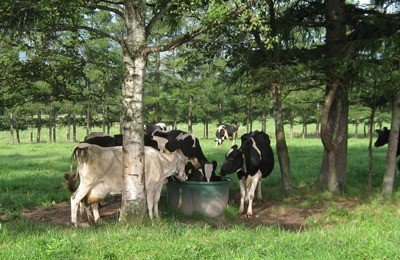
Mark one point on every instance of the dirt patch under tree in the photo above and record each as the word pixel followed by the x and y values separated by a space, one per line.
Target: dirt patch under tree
pixel 291 216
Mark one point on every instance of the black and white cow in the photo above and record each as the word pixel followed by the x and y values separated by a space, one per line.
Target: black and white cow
pixel 189 145
pixel 198 174
pixel 226 132
pixel 103 141
pixel 95 134
pixel 252 162
pixel 383 138
pixel 149 129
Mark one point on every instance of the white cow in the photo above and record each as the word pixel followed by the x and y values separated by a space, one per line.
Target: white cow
pixel 100 171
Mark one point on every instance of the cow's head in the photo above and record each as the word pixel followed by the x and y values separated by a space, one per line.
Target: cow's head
pixel 180 173
pixel 209 169
pixel 204 173
pixel 234 161
pixel 383 137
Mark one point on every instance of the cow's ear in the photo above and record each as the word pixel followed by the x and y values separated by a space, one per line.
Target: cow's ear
pixel 385 128
pixel 214 165
pixel 66 176
pixel 377 131
pixel 234 147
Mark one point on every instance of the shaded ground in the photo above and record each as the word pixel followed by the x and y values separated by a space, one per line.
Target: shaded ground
pixel 289 216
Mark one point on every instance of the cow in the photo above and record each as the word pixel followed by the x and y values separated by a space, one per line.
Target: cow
pixel 103 141
pixel 198 174
pixel 252 162
pixel 100 170
pixel 383 138
pixel 150 128
pixel 224 132
pixel 95 134
pixel 190 146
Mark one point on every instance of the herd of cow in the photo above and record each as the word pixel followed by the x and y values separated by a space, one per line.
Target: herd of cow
pixel 169 155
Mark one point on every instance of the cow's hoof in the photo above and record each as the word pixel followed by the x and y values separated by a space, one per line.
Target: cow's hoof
pixel 250 215
pixel 84 225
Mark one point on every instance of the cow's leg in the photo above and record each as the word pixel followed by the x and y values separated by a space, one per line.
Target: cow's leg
pixel 96 215
pixel 259 194
pixel 75 204
pixel 74 208
pixel 89 214
pixel 242 185
pixel 82 210
pixel 76 199
pixel 157 196
pixel 150 201
pixel 251 191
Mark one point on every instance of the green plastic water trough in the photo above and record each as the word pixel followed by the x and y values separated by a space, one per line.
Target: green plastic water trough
pixel 207 198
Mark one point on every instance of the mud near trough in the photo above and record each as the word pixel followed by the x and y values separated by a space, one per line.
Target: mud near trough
pixel 290 216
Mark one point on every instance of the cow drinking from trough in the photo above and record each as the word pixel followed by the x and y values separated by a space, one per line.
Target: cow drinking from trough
pixel 190 146
pixel 226 132
pixel 252 162
pixel 383 138
pixel 149 129
pixel 101 172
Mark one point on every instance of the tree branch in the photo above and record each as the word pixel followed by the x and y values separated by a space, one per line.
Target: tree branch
pixel 157 17
pixel 190 35
pixel 99 33
pixel 110 9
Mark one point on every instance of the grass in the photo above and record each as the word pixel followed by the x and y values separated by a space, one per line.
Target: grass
pixel 31 175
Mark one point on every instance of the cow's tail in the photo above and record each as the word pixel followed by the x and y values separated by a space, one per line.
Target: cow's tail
pixel 73 177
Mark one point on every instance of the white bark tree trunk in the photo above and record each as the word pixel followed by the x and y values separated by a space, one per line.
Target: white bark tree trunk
pixel 133 210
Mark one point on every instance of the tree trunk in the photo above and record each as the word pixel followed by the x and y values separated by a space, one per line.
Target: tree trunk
pixel 388 180
pixel 248 120
pixel 50 124
pixel 370 127
pixel 356 128
pixel 304 132
pixel 317 123
pixel 264 120
pixel 17 131
pixel 12 141
pixel 39 126
pixel 281 147
pixel 371 136
pixel 88 123
pixel 69 126
pixel 220 113
pixel 133 209
pixel 291 133
pixel 32 127
pixel 104 112
pixel 334 119
pixel 54 125
pixel 190 126
pixel 74 128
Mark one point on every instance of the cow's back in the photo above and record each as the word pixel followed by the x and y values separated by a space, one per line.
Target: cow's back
pixel 99 164
pixel 258 152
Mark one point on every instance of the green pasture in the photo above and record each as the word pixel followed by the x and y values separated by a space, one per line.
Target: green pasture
pixel 31 175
